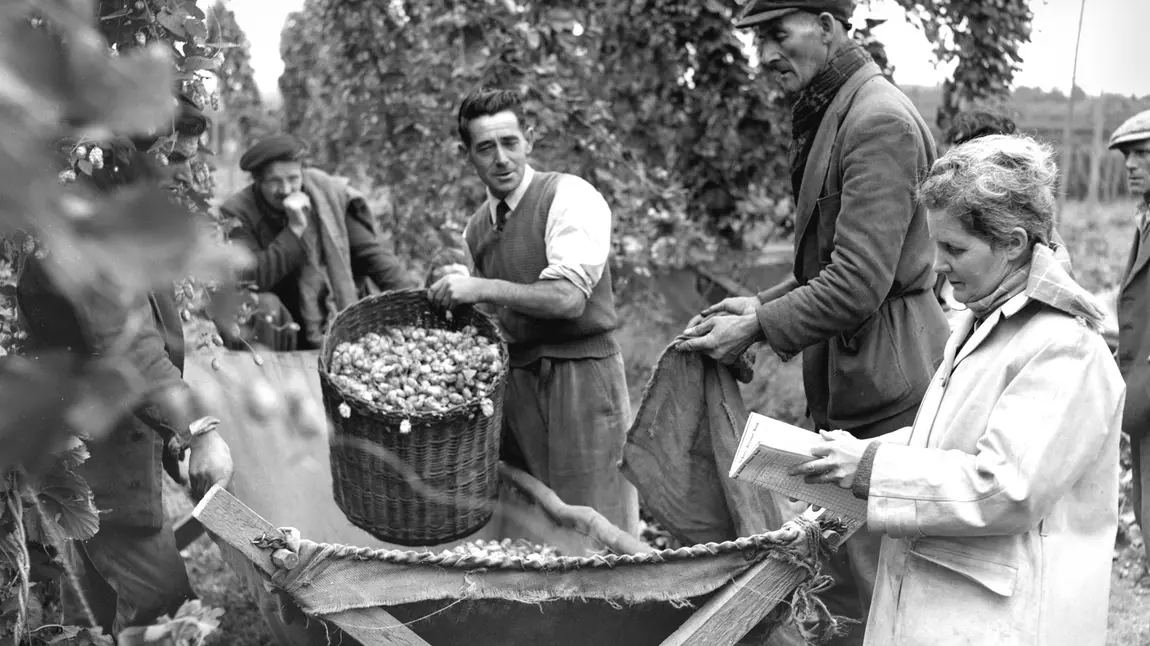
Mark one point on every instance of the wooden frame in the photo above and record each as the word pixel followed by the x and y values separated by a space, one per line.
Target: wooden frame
pixel 722 621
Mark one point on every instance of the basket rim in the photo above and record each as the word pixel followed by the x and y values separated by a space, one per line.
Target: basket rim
pixel 484 325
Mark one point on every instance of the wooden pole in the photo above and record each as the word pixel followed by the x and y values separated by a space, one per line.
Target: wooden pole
pixel 1097 153
pixel 1068 127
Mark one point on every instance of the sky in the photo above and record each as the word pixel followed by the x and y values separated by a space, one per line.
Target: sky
pixel 1110 31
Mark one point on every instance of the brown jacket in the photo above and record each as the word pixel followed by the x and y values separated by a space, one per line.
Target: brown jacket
pixel 124 469
pixel 1134 336
pixel 864 314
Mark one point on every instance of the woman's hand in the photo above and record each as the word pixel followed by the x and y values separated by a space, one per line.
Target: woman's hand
pixel 836 461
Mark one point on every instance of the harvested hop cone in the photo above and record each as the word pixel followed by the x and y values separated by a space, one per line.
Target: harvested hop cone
pixel 414 370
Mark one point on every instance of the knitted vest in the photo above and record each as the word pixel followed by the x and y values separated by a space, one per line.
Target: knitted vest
pixel 518 254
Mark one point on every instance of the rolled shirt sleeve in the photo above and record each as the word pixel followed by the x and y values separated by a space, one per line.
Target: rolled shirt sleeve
pixel 578 235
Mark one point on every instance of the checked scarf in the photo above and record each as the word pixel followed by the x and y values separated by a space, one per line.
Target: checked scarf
pixel 812 104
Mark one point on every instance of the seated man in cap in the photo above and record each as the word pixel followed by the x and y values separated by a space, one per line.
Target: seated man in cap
pixel 1132 139
pixel 314 241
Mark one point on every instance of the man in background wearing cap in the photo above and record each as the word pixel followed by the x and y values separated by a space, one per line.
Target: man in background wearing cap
pixel 1132 139
pixel 314 240
pixel 860 307
pixel 131 571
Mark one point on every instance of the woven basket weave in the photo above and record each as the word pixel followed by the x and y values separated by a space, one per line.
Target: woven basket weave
pixel 452 456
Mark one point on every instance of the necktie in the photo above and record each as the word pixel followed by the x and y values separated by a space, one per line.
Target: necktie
pixel 501 211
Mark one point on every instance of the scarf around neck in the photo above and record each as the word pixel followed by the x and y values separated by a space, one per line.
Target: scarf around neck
pixel 1045 280
pixel 812 103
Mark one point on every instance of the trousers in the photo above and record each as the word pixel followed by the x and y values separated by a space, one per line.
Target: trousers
pixel 129 577
pixel 565 422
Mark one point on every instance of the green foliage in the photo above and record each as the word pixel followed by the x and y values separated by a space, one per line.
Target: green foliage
pixel 237 85
pixel 983 37
pixel 680 142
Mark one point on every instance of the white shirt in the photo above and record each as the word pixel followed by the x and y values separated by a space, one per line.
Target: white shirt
pixel 578 234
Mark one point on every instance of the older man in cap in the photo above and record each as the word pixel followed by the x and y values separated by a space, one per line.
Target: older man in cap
pixel 315 245
pixel 860 307
pixel 1132 139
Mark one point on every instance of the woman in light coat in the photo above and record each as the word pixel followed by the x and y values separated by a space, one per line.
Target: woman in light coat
pixel 999 506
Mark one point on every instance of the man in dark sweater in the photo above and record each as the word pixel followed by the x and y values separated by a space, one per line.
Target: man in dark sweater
pixel 315 243
pixel 539 247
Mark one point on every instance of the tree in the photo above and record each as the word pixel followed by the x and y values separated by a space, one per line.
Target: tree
pixel 983 37
pixel 237 87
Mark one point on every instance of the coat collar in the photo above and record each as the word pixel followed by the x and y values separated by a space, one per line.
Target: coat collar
pixel 1140 251
pixel 815 171
pixel 959 346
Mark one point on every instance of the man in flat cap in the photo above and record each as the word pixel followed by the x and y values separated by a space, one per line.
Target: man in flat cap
pixel 1132 139
pixel 860 307
pixel 131 571
pixel 314 240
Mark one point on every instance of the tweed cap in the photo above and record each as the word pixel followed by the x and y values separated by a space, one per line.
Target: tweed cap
pixel 758 12
pixel 1135 129
pixel 271 149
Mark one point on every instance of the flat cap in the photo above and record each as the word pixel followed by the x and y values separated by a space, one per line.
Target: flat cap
pixel 758 12
pixel 271 149
pixel 1135 129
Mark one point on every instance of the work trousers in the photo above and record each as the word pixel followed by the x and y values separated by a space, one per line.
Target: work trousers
pixel 565 422
pixel 129 577
pixel 1140 474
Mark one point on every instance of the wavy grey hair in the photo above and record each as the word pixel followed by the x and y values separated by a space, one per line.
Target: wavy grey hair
pixel 993 184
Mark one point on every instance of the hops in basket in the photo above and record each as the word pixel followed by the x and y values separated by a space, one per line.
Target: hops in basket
pixel 410 369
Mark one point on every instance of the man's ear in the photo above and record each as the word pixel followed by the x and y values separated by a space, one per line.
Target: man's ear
pixel 827 24
pixel 530 137
pixel 463 150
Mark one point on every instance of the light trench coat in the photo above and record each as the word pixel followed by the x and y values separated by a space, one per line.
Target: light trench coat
pixel 999 506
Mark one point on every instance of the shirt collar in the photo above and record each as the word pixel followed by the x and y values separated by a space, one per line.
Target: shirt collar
pixel 516 196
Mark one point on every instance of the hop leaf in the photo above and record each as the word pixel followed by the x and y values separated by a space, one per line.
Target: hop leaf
pixel 67 501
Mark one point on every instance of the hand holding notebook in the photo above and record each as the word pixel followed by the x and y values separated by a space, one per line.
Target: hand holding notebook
pixel 770 449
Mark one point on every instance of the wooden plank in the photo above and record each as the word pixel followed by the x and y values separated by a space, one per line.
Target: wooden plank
pixel 236 525
pixel 739 606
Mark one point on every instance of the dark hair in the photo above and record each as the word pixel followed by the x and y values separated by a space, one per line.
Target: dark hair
pixel 485 103
pixel 972 124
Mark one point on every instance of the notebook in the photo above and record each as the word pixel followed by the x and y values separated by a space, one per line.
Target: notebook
pixel 770 448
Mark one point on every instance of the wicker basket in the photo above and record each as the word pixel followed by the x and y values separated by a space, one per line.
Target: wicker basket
pixel 452 456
